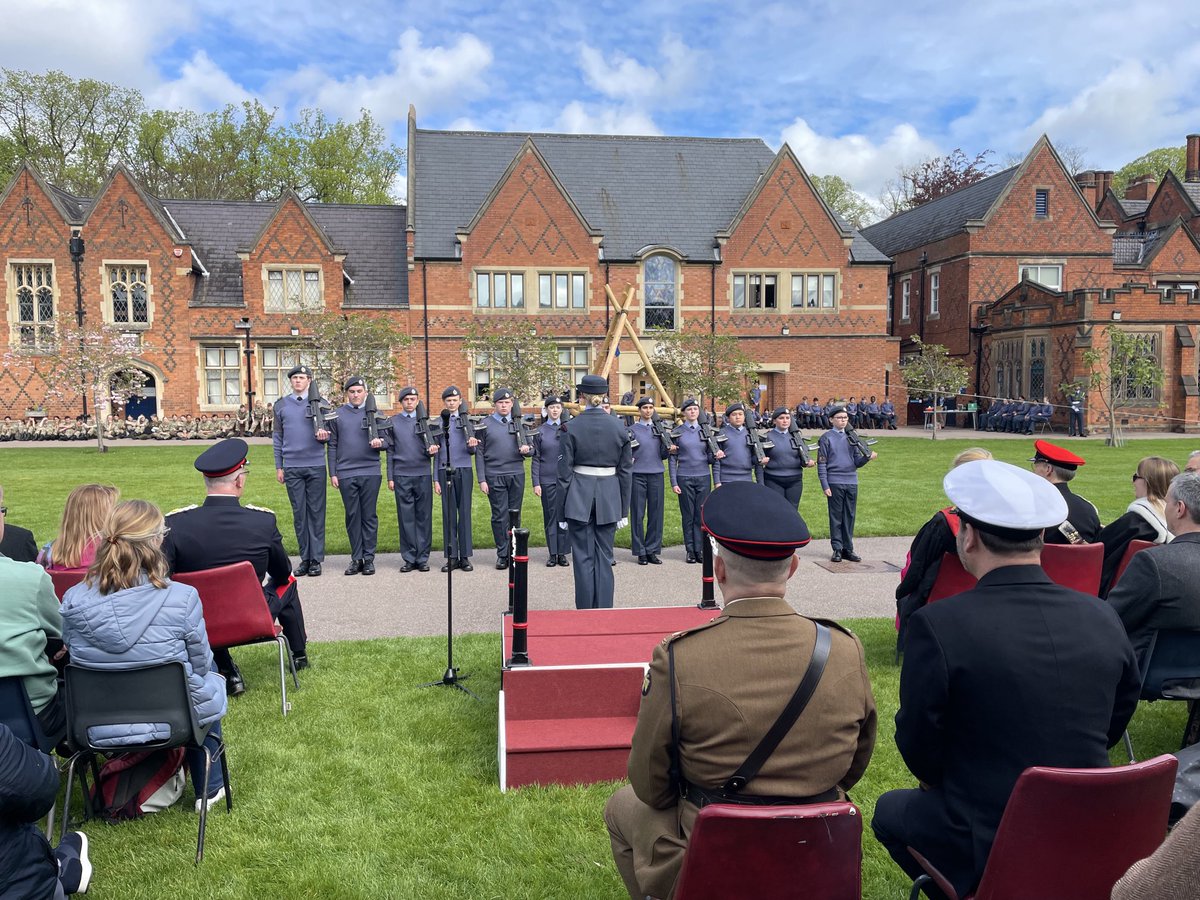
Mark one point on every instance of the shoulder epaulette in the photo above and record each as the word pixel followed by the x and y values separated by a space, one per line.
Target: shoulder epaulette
pixel 183 509
pixel 260 508
pixel 670 638
pixel 837 626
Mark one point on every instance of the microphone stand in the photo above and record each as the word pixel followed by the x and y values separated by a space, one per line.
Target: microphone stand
pixel 450 678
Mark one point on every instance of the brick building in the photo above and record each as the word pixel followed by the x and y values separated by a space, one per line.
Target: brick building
pixel 1018 274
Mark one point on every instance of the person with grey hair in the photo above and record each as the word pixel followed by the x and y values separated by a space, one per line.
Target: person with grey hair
pixel 1058 466
pixel 1193 462
pixel 1160 588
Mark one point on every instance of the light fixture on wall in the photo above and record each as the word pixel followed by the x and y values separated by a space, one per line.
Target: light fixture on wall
pixel 1116 316
pixel 785 331
pixel 295 331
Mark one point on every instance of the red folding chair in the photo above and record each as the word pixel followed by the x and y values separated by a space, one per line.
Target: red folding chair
pixel 1076 566
pixel 951 579
pixel 65 579
pixel 1134 547
pixel 1071 833
pixel 236 614
pixel 773 852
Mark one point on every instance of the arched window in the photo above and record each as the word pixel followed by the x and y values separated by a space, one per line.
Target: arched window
pixel 660 291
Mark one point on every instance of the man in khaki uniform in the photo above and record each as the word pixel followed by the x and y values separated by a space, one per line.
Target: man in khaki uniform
pixel 733 678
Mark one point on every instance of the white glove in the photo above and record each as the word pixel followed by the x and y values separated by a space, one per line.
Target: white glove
pixel 621 523
pixel 562 526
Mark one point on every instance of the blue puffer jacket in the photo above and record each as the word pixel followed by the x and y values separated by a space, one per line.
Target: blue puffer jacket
pixel 141 626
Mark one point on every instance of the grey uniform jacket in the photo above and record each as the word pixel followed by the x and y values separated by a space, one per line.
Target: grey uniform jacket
pixel 594 438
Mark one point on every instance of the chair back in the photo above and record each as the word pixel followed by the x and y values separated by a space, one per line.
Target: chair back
pixel 1134 547
pixel 235 610
pixel 951 579
pixel 158 693
pixel 1171 666
pixel 1076 566
pixel 774 851
pixel 1074 832
pixel 17 713
pixel 65 579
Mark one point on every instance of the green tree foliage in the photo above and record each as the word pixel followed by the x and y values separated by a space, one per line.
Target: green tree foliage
pixel 75 132
pixel 703 365
pixel 1155 163
pixel 933 373
pixel 520 358
pixel 840 196
pixel 341 346
pixel 1123 372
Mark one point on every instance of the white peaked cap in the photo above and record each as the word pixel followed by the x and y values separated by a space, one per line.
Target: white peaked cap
pixel 1004 496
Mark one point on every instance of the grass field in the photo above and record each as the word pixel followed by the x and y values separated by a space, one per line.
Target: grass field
pixel 373 787
pixel 897 492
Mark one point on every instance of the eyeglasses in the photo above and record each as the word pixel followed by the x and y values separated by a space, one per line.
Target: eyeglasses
pixel 3 510
pixel 1136 476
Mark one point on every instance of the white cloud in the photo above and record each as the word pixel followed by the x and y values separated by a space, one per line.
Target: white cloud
pixel 431 78
pixel 202 85
pixel 576 118
pixel 623 78
pixel 866 164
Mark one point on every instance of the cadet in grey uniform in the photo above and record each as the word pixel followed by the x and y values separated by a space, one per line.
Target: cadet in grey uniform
pixel 691 478
pixel 460 443
pixel 544 473
pixel 646 501
pixel 300 466
pixel 595 474
pixel 738 462
pixel 500 469
pixel 354 471
pixel 409 466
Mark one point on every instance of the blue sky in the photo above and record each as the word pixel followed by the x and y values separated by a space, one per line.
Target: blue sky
pixel 856 88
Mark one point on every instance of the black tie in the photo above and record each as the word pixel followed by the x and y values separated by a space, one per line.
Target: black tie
pixel 504 420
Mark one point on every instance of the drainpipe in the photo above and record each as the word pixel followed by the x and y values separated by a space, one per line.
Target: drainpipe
pixel 712 327
pixel 425 316
pixel 921 325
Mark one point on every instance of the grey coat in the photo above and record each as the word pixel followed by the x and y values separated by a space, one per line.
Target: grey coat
pixel 594 438
pixel 1160 588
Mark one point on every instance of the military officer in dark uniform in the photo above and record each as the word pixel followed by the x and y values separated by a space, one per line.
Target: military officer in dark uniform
pixel 738 463
pixel 732 677
pixel 354 471
pixel 1016 672
pixel 500 470
pixel 460 444
pixel 1058 466
pixel 409 469
pixel 595 476
pixel 300 466
pixel 646 499
pixel 221 532
pixel 544 474
pixel 690 470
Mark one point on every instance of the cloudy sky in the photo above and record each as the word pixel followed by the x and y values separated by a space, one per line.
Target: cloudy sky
pixel 856 88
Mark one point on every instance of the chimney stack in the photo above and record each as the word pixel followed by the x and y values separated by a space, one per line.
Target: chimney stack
pixel 1103 184
pixel 1141 188
pixel 1087 186
pixel 1192 172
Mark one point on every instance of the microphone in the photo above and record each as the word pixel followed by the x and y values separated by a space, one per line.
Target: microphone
pixel 445 420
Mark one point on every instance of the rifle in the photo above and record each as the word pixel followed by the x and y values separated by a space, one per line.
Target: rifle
pixel 710 437
pixel 519 429
pixel 862 447
pixel 319 409
pixel 759 445
pixel 663 433
pixel 428 430
pixel 372 421
pixel 799 444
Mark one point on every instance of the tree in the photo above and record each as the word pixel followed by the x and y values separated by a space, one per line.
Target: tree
pixel 703 365
pixel 934 177
pixel 335 162
pixel 519 358
pixel 1073 156
pixel 1155 163
pixel 76 362
pixel 1123 371
pixel 933 373
pixel 340 346
pixel 840 196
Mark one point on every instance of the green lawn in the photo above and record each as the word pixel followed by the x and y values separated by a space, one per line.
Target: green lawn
pixel 373 787
pixel 898 492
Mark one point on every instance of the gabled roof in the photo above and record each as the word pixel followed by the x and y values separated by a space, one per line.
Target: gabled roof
pixel 1190 192
pixel 636 191
pixel 1139 248
pixel 66 205
pixel 152 203
pixel 289 196
pixel 1133 208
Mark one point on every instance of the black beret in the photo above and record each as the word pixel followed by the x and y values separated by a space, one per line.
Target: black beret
pixel 837 409
pixel 734 407
pixel 451 391
pixel 645 401
pixel 551 400
pixel 593 384
pixel 222 458
pixel 406 392
pixel 502 394
pixel 352 381
pixel 690 401
pixel 300 370
pixel 779 412
pixel 774 531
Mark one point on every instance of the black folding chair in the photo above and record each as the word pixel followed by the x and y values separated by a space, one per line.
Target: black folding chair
pixel 159 693
pixel 1171 671
pixel 17 713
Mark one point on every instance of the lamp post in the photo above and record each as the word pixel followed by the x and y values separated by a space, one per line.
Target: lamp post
pixel 244 327
pixel 76 248
pixel 979 331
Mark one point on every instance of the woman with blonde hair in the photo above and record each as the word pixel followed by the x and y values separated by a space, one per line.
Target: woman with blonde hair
pixel 83 516
pixel 127 614
pixel 1144 518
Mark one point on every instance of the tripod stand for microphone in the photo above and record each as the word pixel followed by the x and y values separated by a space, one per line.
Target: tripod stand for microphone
pixel 450 678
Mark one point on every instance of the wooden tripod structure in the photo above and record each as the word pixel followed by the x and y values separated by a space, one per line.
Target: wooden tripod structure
pixel 619 323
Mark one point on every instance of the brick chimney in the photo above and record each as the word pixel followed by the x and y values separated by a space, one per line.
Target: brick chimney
pixel 1141 188
pixel 1192 172
pixel 1103 183
pixel 1087 186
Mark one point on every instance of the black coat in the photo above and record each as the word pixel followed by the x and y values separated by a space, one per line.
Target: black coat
pixel 28 786
pixel 18 544
pixel 1016 672
pixel 1081 514
pixel 221 532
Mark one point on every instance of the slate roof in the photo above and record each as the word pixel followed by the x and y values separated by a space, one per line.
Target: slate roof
pixel 1192 189
pixel 636 191
pixel 938 218
pixel 1132 248
pixel 1133 207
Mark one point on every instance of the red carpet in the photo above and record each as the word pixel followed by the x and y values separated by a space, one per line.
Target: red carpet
pixel 568 717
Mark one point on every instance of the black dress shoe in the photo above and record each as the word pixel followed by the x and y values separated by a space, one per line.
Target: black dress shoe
pixel 356 566
pixel 422 567
pixel 234 685
pixel 302 569
pixel 614 562
pixel 837 556
pixel 407 567
pixel 300 660
pixel 552 561
pixel 314 568
pixel 653 559
pixel 851 557
pixel 446 567
pixel 368 566
pixel 691 558
pixel 562 561
pixel 642 561
pixel 465 565
pixel 502 564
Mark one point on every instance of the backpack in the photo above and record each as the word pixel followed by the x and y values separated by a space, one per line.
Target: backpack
pixel 133 784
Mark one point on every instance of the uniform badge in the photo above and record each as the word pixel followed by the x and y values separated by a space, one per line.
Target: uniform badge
pixel 646 684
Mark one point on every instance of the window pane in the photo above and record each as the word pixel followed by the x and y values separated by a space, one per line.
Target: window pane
pixel 518 291
pixel 797 290
pixel 501 288
pixel 564 356
pixel 231 356
pixel 274 302
pixel 270 357
pixel 813 287
pixel 739 291
pixel 560 291
pixel 577 291
pixel 660 268
pixel 769 291
pixel 483 296
pixel 581 356
pixel 754 294
pixel 212 358
pixel 827 295
pixel 45 298
pixel 545 291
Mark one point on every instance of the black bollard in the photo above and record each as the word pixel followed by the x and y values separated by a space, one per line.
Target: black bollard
pixel 520 619
pixel 706 572
pixel 514 522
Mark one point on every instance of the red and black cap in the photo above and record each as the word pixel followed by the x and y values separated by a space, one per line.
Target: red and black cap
pixel 1044 451
pixel 222 458
pixel 753 521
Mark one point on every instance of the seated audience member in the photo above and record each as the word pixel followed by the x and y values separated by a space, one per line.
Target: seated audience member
pixel 30 634
pixel 1016 672
pixel 17 543
pixel 1173 872
pixel 1145 518
pixel 1038 413
pixel 28 867
pixel 1193 462
pixel 1059 466
pixel 127 613
pixel 1160 588
pixel 936 538
pixel 713 691
pixel 83 516
pixel 887 414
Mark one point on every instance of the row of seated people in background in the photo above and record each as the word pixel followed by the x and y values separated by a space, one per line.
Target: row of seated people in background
pixel 1018 416
pixel 864 412
pixel 165 428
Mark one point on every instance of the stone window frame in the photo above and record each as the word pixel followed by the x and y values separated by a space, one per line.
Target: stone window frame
pixel 906 299
pixel 1149 396
pixel 573 371
pixel 288 355
pixel 677 311
pixel 238 367
pixel 14 312
pixel 306 269
pixel 578 290
pixel 496 276
pixel 1024 265
pixel 107 266
pixel 935 293
pixel 820 291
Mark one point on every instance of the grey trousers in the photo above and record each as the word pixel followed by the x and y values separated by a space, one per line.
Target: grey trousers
pixel 458 516
pixel 360 495
pixel 505 492
pixel 414 513
pixel 693 490
pixel 557 541
pixel 592 545
pixel 646 503
pixel 306 491
pixel 842 506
